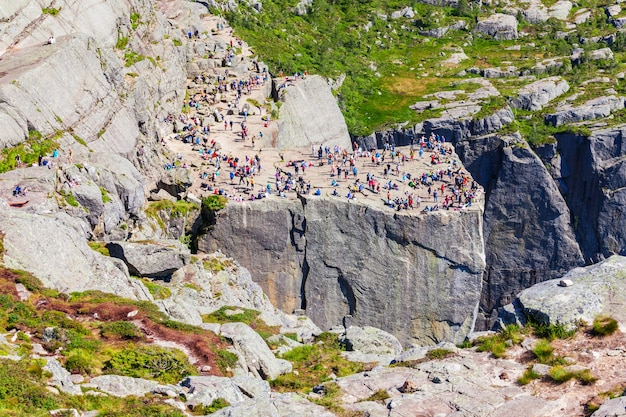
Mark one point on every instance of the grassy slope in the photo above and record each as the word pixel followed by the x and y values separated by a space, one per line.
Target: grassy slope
pixel 391 66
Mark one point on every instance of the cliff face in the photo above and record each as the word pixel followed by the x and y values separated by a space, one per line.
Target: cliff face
pixel 528 234
pixel 418 277
pixel 591 172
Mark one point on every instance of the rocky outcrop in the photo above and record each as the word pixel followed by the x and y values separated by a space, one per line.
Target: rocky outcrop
pixel 536 95
pixel 406 274
pixel 592 109
pixel 254 355
pixel 54 249
pixel 283 405
pixel 370 340
pixel 499 26
pixel 592 176
pixel 310 115
pixel 152 260
pixel 611 408
pixel 596 290
pixel 527 229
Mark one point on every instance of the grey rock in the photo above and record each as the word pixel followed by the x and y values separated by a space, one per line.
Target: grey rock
pixel 122 386
pixel 61 378
pixel 27 242
pixel 253 351
pixel 305 234
pixel 22 293
pixel 536 13
pixel 615 407
pixel 203 390
pixel 302 7
pixel 252 387
pixel 162 195
pixel 371 340
pixel 284 405
pixel 310 115
pixel 153 260
pixel 592 109
pixel 526 240
pixel 536 95
pixel 541 369
pixel 604 53
pixel 593 172
pixel 560 10
pixel 435 33
pixel 499 26
pixel 594 293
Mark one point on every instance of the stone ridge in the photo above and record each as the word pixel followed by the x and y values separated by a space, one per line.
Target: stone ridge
pixel 410 275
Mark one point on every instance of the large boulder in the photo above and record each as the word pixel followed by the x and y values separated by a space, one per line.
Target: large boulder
pixel 371 340
pixel 54 249
pixel 596 290
pixel 499 26
pixel 310 115
pixel 536 95
pixel 124 386
pixel 592 109
pixel 203 390
pixel 152 260
pixel 254 354
pixel 612 408
pixel 60 377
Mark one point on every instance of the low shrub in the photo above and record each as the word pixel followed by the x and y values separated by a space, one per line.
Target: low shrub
pixel 439 353
pixel 380 395
pixel 528 376
pixel 492 344
pixel 80 361
pixel 167 366
pixel 543 351
pixel 159 292
pixel 604 326
pixel 121 330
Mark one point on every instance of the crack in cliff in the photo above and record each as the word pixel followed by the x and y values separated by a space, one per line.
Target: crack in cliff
pixel 305 263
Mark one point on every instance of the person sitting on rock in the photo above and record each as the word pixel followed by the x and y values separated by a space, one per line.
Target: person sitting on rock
pixel 51 40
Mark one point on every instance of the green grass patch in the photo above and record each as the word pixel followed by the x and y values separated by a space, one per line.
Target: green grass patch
pixel 245 315
pixel 216 265
pixel 314 364
pixel 552 331
pixel 380 395
pixel 159 292
pixel 132 57
pixel 543 351
pixel 158 210
pixel 193 286
pixel 52 11
pixel 167 366
pixel 604 326
pixel 100 247
pixel 528 376
pixel 561 374
pixel 121 330
pixel 177 42
pixel 225 360
pixel 439 353
pixel 122 43
pixel 214 202
pixel 135 20
pixel 28 151
pixel 105 195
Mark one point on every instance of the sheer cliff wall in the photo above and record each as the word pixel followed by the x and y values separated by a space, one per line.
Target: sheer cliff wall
pixel 416 276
